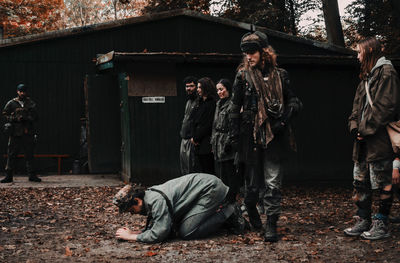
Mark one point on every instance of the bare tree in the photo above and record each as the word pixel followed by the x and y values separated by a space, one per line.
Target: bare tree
pixel 334 29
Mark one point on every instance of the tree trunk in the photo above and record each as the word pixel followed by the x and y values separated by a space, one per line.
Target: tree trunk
pixel 279 14
pixel 334 29
pixel 293 27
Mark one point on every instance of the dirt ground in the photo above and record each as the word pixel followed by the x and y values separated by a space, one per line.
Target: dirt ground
pixel 78 224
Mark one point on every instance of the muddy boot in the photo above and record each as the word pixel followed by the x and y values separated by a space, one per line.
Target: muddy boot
pixel 362 224
pixel 8 178
pixel 236 223
pixel 271 234
pixel 379 229
pixel 254 217
pixel 34 178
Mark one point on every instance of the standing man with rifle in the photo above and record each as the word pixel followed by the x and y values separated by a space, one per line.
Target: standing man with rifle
pixel 20 114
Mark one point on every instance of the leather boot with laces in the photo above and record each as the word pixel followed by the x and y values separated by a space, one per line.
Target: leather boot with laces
pixel 362 224
pixel 379 230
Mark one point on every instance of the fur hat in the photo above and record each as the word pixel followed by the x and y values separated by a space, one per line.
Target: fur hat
pixel 252 42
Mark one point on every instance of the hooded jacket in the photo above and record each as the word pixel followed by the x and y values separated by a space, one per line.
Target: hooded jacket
pixel 384 88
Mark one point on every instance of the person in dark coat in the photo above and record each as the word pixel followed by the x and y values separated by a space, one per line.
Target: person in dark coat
pixel 376 103
pixel 187 155
pixel 263 105
pixel 221 143
pixel 20 114
pixel 202 117
pixel 193 206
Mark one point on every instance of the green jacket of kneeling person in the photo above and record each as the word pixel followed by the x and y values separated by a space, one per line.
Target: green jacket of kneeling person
pixel 191 207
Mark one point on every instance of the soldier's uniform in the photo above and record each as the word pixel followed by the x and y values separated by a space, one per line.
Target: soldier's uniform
pixel 20 114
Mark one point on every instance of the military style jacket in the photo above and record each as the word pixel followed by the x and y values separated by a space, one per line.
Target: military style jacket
pixel 220 139
pixel 189 195
pixel 21 114
pixel 384 89
pixel 186 129
pixel 244 108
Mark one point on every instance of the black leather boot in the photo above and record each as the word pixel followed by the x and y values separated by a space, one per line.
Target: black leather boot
pixel 254 217
pixel 271 234
pixel 34 178
pixel 8 178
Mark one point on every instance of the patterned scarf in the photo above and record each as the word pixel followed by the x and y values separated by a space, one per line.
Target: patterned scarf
pixel 270 100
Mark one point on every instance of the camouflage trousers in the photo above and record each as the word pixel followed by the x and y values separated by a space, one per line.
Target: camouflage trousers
pixel 20 144
pixel 367 177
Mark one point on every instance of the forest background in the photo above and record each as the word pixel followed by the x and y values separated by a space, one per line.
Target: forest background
pixel 313 19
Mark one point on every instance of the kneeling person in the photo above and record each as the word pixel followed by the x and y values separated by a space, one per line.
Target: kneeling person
pixel 193 206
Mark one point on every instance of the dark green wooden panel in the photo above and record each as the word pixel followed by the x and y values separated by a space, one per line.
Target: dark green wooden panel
pixel 104 138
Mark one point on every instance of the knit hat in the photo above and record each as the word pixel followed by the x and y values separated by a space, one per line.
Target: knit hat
pixel 252 42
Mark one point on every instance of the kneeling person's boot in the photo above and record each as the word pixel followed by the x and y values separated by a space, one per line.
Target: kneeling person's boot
pixel 33 178
pixel 362 224
pixel 236 223
pixel 8 178
pixel 254 217
pixel 271 234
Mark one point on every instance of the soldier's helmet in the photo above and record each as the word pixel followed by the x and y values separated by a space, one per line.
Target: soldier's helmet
pixel 124 199
pixel 252 42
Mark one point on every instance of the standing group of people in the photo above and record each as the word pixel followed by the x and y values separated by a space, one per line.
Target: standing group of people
pixel 247 131
pixel 245 136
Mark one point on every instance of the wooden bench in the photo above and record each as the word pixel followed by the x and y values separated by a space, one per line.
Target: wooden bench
pixel 58 156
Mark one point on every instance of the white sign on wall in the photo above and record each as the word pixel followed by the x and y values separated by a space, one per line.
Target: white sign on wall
pixel 153 99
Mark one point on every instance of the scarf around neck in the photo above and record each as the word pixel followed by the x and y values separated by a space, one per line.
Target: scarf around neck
pixel 270 101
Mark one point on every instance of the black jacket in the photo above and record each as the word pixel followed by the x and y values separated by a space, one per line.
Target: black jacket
pixel 202 117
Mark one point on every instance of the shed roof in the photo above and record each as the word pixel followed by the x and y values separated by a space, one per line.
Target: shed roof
pixel 166 15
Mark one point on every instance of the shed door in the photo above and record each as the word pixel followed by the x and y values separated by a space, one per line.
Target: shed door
pixel 103 118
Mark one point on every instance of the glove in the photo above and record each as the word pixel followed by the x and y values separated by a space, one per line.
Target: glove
pixel 278 126
pixel 354 133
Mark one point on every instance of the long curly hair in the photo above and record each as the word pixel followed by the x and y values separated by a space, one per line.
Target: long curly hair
pixel 371 50
pixel 268 60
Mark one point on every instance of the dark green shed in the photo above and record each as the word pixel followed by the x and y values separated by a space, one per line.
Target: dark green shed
pixel 170 45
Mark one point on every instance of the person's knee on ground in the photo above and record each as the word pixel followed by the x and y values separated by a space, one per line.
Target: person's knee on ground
pixel 206 227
